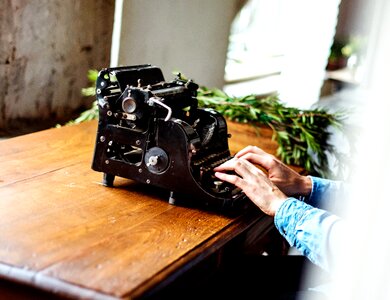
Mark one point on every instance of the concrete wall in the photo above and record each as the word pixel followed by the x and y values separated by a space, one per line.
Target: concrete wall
pixel 46 49
pixel 190 36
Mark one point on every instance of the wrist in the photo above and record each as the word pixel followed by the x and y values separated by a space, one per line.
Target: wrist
pixel 276 204
pixel 305 186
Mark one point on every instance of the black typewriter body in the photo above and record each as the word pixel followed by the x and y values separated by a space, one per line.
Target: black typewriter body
pixel 153 132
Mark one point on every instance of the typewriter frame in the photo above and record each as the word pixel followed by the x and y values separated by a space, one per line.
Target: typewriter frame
pixel 153 132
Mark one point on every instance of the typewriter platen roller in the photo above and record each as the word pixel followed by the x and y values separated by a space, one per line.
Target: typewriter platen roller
pixel 153 132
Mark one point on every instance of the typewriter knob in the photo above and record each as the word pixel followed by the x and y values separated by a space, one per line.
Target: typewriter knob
pixel 129 105
pixel 156 160
pixel 153 160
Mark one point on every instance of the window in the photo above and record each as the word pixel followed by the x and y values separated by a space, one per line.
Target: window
pixel 281 46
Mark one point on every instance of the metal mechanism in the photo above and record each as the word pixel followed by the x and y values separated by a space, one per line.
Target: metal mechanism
pixel 153 132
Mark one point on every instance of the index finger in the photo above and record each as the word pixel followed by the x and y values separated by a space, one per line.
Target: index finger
pixel 226 166
pixel 263 160
pixel 249 149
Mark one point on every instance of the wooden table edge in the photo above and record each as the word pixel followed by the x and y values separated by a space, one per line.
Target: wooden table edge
pixel 198 254
pixel 49 284
pixel 55 286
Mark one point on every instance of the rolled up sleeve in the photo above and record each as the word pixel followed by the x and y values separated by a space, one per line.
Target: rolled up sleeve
pixel 307 228
pixel 324 192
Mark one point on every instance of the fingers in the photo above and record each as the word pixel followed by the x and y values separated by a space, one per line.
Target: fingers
pixel 243 168
pixel 257 156
pixel 254 183
pixel 226 166
pixel 265 160
pixel 249 149
pixel 239 165
pixel 233 179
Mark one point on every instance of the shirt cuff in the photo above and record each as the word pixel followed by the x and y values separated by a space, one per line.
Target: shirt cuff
pixel 321 191
pixel 288 214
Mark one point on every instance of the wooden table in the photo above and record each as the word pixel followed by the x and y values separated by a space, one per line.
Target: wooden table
pixel 63 232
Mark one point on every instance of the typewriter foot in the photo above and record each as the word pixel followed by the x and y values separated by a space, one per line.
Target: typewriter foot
pixel 172 199
pixel 108 180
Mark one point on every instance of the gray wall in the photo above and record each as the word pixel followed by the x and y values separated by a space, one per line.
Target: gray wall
pixel 190 36
pixel 46 49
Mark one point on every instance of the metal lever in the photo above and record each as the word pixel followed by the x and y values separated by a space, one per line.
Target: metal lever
pixel 157 100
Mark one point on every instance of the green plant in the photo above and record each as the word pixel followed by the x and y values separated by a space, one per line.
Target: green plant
pixel 303 136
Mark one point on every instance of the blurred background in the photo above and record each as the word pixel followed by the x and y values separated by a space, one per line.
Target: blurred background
pixel 303 50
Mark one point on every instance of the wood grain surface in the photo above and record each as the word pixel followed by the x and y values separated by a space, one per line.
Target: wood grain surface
pixel 62 231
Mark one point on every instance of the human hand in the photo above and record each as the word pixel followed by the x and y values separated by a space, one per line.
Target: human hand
pixel 288 181
pixel 254 183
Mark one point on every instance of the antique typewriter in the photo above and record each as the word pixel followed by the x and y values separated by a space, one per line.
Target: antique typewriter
pixel 153 132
